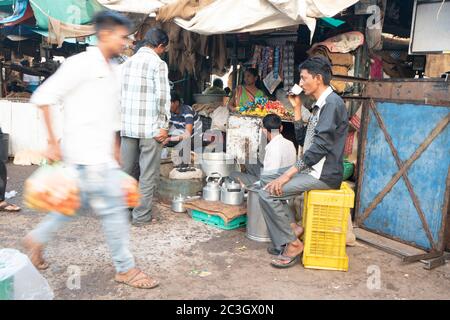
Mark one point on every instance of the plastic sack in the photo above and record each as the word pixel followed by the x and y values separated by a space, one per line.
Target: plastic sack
pixel 271 82
pixel 188 175
pixel 131 190
pixel 220 118
pixel 19 279
pixel 53 188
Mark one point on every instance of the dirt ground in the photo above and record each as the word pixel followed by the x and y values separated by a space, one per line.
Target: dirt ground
pixel 196 261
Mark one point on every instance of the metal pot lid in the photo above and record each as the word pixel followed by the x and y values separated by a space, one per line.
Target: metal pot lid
pixel 217 156
pixel 179 198
pixel 233 185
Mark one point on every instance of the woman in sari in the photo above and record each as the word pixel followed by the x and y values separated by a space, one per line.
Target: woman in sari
pixel 246 92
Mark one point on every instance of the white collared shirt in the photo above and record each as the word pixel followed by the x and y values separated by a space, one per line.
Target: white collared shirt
pixel 323 98
pixel 89 90
pixel 280 153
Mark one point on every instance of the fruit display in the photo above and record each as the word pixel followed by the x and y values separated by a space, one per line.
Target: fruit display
pixel 53 188
pixel 263 106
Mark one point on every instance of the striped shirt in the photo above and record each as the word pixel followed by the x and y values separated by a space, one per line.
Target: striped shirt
pixel 145 102
pixel 187 116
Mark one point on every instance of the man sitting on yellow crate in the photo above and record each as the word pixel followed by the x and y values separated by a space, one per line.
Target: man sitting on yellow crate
pixel 320 166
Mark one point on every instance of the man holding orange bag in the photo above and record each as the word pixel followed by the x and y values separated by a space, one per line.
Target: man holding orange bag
pixel 87 86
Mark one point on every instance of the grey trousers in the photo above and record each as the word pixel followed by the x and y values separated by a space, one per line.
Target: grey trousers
pixel 253 174
pixel 276 211
pixel 246 178
pixel 148 153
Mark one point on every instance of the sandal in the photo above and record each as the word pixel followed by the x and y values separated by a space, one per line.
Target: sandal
pixel 275 251
pixel 8 207
pixel 137 279
pixel 283 262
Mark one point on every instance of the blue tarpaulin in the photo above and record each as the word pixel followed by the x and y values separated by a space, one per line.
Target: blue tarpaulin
pixel 20 7
pixel 18 30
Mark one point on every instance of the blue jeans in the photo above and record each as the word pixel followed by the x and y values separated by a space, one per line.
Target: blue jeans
pixel 100 189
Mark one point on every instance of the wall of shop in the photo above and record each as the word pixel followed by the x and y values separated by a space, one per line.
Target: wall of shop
pixel 24 123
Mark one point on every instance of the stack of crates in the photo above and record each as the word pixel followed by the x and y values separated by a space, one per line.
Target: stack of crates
pixel 325 219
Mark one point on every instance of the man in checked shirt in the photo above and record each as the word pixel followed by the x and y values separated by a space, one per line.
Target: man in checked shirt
pixel 145 117
pixel 320 166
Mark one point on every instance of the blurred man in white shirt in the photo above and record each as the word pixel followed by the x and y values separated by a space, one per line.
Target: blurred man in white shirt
pixel 88 88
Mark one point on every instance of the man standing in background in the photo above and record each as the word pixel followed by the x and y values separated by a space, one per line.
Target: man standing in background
pixel 145 117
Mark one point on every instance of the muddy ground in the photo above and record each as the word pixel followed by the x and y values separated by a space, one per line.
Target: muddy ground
pixel 196 261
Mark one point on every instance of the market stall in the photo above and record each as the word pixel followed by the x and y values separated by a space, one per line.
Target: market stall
pixel 272 38
pixel 355 57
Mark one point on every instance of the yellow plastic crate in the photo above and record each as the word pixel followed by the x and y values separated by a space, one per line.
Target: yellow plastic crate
pixel 325 218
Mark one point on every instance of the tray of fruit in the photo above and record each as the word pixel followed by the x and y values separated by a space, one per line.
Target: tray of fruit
pixel 263 106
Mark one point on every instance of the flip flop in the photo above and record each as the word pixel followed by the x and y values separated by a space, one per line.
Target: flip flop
pixel 275 251
pixel 5 205
pixel 280 265
pixel 135 280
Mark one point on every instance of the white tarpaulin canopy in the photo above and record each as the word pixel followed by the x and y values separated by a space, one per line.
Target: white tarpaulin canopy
pixel 226 16
pixel 135 6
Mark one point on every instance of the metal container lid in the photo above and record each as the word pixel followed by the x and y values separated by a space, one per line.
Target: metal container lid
pixel 179 198
pixel 233 185
pixel 217 156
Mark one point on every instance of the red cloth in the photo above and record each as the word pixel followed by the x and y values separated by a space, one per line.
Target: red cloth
pixel 355 121
pixel 376 68
pixel 349 143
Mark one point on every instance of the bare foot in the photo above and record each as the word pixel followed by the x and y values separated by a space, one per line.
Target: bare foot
pixel 35 252
pixel 290 256
pixel 137 279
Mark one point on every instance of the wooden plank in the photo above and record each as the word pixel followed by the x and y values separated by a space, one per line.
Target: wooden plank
pixel 445 227
pixel 433 263
pixel 362 142
pixel 391 246
pixel 436 65
pixel 436 131
pixel 405 175
pixel 349 78
pixel 425 256
pixel 431 92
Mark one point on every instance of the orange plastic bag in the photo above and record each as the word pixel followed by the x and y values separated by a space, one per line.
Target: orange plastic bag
pixel 53 188
pixel 131 190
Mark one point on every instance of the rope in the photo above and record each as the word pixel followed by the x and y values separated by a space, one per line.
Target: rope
pixel 440 8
